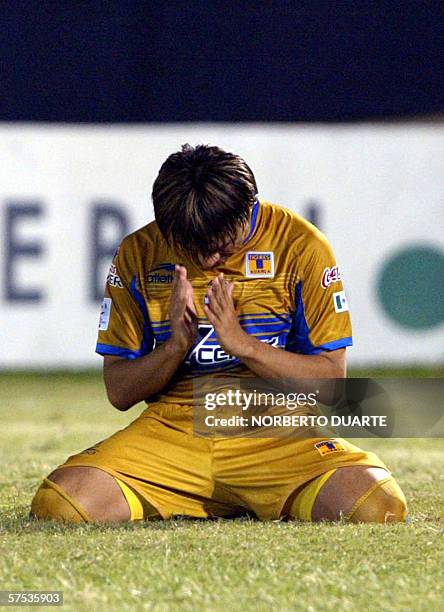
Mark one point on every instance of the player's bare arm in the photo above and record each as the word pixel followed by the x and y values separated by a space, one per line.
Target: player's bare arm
pixel 131 381
pixel 262 359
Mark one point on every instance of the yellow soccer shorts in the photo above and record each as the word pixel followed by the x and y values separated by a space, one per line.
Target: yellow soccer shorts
pixel 177 473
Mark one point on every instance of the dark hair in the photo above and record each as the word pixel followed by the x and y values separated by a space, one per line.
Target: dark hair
pixel 201 196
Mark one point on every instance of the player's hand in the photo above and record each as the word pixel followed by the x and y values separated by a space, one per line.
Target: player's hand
pixel 183 318
pixel 222 315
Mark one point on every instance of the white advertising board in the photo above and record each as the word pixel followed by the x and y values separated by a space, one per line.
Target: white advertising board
pixel 68 193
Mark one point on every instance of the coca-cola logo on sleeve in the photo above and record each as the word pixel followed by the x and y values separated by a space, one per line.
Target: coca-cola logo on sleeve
pixel 330 276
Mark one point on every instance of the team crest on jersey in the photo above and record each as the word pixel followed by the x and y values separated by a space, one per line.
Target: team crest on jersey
pixel 259 264
pixel 328 446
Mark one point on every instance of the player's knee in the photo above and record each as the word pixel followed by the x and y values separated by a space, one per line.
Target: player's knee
pixel 52 502
pixel 97 491
pixel 356 494
pixel 384 502
pixel 88 494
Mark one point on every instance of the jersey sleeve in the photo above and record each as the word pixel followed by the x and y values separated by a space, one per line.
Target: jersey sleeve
pixel 124 326
pixel 321 319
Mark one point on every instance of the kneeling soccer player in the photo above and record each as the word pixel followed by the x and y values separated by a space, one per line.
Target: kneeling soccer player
pixel 220 284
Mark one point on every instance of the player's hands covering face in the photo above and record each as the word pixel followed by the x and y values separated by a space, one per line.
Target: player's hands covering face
pixel 222 315
pixel 184 324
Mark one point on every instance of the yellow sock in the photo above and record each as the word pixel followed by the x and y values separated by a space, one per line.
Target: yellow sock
pixel 51 502
pixel 384 502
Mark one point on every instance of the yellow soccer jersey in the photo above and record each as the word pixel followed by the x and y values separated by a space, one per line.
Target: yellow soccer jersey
pixel 287 292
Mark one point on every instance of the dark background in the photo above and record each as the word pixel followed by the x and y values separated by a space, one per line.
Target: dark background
pixel 119 61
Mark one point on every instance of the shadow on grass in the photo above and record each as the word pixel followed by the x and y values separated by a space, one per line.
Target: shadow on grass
pixel 18 521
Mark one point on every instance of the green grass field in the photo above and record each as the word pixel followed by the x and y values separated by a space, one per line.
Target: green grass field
pixel 204 565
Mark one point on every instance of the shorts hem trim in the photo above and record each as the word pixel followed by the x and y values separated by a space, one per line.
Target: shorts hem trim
pixel 124 479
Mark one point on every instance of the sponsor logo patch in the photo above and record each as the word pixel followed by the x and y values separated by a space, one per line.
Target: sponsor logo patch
pixel 328 446
pixel 206 353
pixel 113 279
pixel 259 264
pixel 162 274
pixel 105 314
pixel 330 276
pixel 340 301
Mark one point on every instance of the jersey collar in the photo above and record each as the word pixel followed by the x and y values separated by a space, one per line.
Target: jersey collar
pixel 254 214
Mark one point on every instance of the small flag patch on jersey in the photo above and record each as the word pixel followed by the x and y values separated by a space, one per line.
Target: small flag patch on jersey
pixel 340 301
pixel 328 446
pixel 105 313
pixel 259 264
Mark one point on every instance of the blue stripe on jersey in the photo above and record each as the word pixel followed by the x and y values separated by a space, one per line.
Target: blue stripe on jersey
pixel 162 337
pixel 213 341
pixel 250 317
pixel 269 321
pixel 147 338
pixel 250 328
pixel 156 327
pixel 254 330
pixel 298 340
pixel 254 214
pixel 266 316
pixel 160 323
pixel 273 315
pixel 336 344
pixel 118 351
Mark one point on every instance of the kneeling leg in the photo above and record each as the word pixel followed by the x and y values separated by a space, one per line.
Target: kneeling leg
pixel 81 494
pixel 356 494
